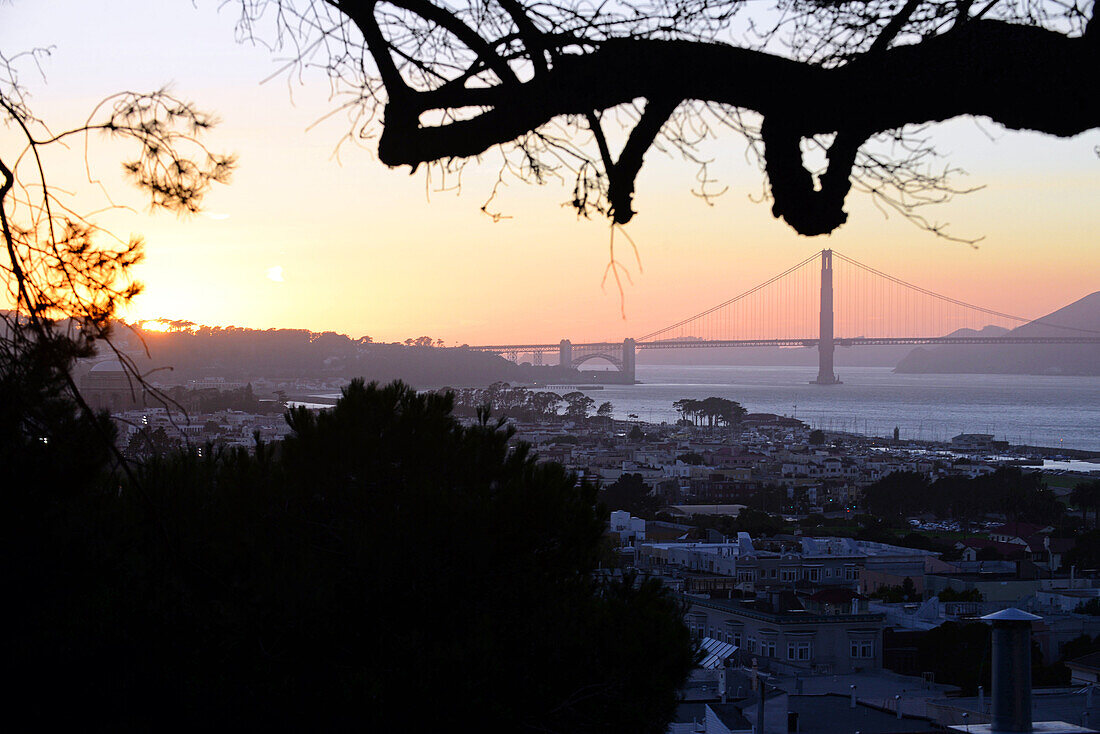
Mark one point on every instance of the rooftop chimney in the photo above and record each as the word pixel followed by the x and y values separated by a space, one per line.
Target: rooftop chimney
pixel 1011 709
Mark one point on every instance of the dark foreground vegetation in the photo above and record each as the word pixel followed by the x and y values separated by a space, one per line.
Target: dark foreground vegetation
pixel 383 567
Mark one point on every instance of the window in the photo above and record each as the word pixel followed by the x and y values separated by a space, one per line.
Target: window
pixel 788 574
pixel 736 639
pixel 850 573
pixel 749 575
pixel 767 648
pixel 828 572
pixel 863 649
pixel 802 650
pixel 752 645
pixel 813 574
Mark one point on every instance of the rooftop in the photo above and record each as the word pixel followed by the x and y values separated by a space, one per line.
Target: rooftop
pixel 833 714
pixel 753 610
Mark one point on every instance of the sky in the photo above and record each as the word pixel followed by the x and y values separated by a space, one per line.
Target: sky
pixel 303 239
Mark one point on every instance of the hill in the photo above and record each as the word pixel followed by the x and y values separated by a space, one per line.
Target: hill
pixel 1076 319
pixel 239 354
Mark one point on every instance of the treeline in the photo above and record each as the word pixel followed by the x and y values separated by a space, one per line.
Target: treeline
pixel 1009 491
pixel 383 564
pixel 526 404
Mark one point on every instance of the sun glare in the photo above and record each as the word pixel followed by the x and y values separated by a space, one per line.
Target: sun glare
pixel 155 325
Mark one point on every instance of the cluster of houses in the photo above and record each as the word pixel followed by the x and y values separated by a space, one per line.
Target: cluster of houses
pixel 801 617
pixel 685 464
pixel 229 428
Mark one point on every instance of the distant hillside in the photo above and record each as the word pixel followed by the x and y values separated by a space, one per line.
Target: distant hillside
pixel 1020 359
pixel 238 354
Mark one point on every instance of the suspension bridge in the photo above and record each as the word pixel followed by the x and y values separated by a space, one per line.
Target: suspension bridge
pixel 841 303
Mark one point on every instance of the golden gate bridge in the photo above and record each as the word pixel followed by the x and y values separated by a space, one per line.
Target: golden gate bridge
pixel 826 301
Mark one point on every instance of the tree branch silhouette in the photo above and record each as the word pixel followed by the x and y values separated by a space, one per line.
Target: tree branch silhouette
pixel 67 278
pixel 458 79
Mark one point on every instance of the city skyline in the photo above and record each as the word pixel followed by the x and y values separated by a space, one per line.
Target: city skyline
pixel 298 240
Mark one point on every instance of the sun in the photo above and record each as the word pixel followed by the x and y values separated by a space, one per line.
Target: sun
pixel 155 325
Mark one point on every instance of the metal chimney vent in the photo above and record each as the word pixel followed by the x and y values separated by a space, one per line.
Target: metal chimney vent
pixel 1011 705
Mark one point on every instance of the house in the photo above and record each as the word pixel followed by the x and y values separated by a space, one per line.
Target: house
pixel 972 549
pixel 1017 532
pixel 980 441
pixel 787 640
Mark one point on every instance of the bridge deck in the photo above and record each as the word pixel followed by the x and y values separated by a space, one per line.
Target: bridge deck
pixel 797 342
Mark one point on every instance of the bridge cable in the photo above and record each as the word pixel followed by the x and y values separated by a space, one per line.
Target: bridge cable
pixel 749 292
pixel 954 301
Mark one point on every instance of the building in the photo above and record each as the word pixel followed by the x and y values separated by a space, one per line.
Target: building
pixel 782 637
pixel 108 386
pixel 768 563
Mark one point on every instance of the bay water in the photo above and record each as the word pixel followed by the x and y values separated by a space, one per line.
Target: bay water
pixel 1051 411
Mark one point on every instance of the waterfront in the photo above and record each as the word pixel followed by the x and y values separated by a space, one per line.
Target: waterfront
pixel 1023 409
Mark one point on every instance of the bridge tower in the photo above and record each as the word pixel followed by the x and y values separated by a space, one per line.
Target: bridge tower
pixel 628 361
pixel 565 353
pixel 825 346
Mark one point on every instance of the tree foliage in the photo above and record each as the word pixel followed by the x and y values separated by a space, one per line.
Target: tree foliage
pixel 508 401
pixel 383 563
pixel 904 592
pixel 583 92
pixel 629 492
pixel 1085 554
pixel 756 523
pixel 950 594
pixel 712 411
pixel 577 405
pixel 1008 491
pixel 1086 496
pixel 959 654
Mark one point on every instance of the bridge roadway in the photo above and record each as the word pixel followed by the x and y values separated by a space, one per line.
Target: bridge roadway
pixel 857 341
pixel 622 354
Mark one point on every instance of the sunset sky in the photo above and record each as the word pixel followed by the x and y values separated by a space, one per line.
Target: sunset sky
pixel 302 240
